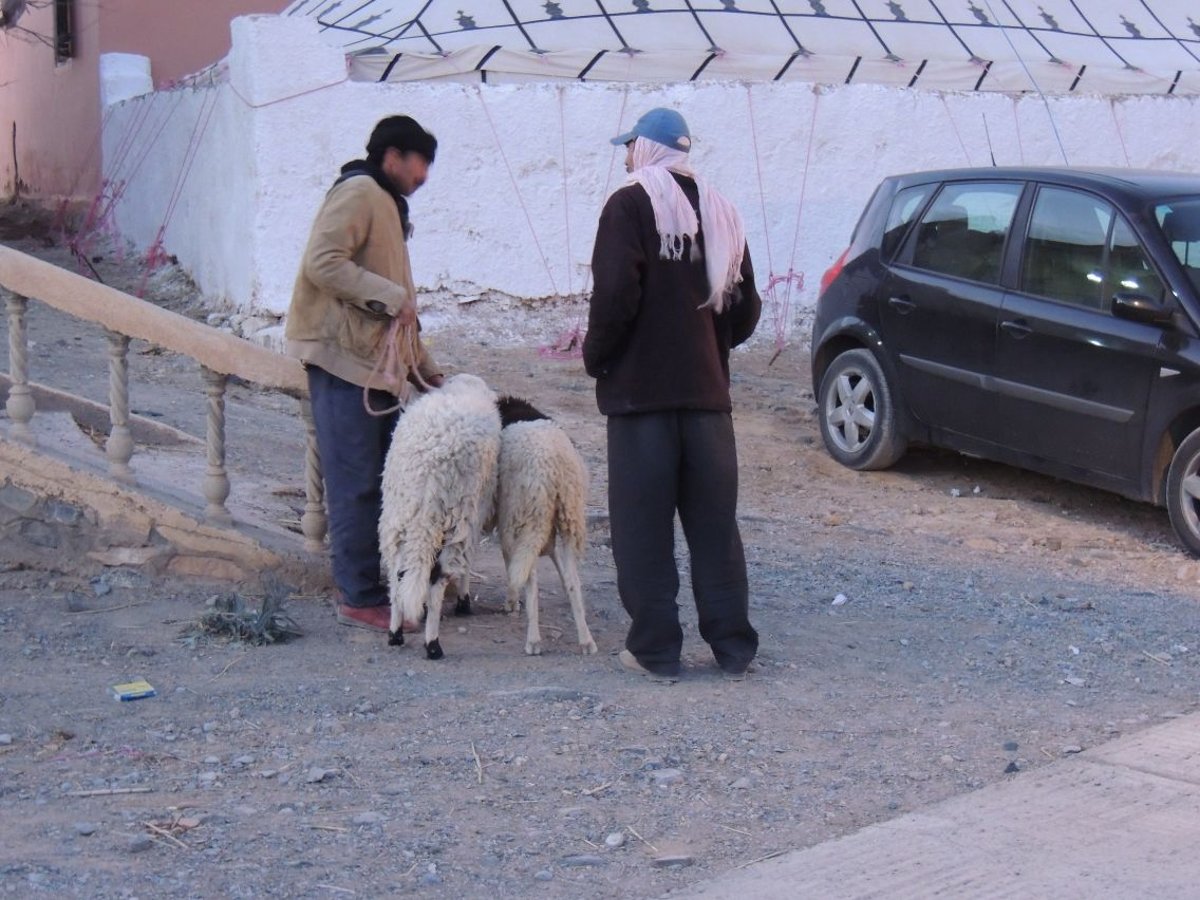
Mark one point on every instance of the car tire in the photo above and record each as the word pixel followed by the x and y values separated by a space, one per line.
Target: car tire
pixel 857 413
pixel 1183 492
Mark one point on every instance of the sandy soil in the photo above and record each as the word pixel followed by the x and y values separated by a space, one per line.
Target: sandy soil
pixel 925 631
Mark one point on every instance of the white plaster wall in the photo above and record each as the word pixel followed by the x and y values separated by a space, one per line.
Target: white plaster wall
pixel 148 143
pixel 276 144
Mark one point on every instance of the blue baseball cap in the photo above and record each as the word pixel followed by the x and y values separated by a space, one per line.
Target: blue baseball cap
pixel 661 125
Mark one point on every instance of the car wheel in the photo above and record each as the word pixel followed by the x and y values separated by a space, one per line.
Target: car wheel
pixel 1183 492
pixel 858 413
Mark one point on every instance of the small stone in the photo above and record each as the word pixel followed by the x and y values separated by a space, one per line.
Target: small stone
pixel 740 784
pixel 212 760
pixel 5 740
pixel 1010 746
pixel 85 828
pixel 666 860
pixel 247 760
pixel 543 875
pixel 1071 749
pixel 140 844
pixel 614 840
pixel 1011 768
pixel 101 587
pixel 431 878
pixel 582 859
pixel 666 776
pixel 1074 681
pixel 840 599
pixel 367 818
pixel 315 775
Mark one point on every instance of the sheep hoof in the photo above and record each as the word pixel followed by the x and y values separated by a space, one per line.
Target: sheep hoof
pixel 588 648
pixel 434 649
pixel 532 649
pixel 396 638
pixel 462 606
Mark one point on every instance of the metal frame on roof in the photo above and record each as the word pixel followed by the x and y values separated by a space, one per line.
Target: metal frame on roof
pixel 1108 46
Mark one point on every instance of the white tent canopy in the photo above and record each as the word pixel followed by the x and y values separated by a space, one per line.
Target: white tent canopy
pixel 1093 46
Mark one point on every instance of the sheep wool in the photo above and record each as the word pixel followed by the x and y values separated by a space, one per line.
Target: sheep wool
pixel 541 510
pixel 439 482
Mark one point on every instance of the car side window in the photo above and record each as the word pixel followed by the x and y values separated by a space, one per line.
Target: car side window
pixel 905 206
pixel 1064 248
pixel 1129 269
pixel 1080 251
pixel 963 232
pixel 1180 222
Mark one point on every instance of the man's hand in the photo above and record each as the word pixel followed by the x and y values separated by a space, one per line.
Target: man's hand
pixel 407 314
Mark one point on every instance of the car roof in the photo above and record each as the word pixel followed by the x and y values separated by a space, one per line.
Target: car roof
pixel 1144 183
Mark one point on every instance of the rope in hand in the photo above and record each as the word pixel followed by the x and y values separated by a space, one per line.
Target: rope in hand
pixel 396 368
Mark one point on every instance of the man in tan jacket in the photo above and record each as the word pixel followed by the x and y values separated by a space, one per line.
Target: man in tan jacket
pixel 354 280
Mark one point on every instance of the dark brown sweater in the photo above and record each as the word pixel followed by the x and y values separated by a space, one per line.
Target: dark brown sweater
pixel 648 345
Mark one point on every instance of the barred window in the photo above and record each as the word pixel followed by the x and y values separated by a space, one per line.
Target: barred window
pixel 64 30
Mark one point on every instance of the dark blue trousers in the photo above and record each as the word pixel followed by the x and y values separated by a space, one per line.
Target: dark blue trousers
pixel 353 446
pixel 681 461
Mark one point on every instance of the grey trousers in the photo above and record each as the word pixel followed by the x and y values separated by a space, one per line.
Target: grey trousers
pixel 353 446
pixel 681 461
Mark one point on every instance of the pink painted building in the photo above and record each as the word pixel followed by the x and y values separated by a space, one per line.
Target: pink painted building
pixel 50 106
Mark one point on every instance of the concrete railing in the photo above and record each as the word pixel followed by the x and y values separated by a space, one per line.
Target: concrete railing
pixel 219 355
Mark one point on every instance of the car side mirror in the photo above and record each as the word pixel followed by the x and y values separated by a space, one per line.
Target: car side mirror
pixel 1140 308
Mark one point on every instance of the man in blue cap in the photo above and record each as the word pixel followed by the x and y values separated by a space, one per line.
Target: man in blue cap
pixel 673 292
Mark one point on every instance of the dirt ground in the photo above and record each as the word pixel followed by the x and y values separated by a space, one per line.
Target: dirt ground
pixel 925 631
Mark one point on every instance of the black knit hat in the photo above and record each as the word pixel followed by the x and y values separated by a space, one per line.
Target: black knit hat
pixel 403 133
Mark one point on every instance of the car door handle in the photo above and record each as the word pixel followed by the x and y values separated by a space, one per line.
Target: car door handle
pixel 901 305
pixel 1016 329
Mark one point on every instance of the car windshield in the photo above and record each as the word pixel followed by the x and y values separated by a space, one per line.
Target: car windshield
pixel 1180 222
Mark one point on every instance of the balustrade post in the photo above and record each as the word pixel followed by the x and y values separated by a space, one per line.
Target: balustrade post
pixel 119 447
pixel 216 480
pixel 20 405
pixel 313 522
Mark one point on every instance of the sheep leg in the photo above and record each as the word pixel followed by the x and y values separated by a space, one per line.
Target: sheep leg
pixel 462 596
pixel 396 626
pixel 433 619
pixel 564 560
pixel 512 599
pixel 533 630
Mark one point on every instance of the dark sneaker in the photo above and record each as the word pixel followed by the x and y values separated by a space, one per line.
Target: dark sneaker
pixel 630 663
pixel 376 618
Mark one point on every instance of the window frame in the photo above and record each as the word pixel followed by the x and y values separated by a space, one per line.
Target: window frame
pixel 908 252
pixel 64 31
pixel 1105 289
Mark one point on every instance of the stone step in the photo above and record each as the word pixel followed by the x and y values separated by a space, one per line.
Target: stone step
pixel 58 502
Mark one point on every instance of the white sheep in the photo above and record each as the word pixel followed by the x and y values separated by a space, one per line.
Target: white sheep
pixel 540 511
pixel 439 483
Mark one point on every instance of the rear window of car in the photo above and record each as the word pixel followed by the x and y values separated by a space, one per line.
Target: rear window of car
pixel 964 230
pixel 905 206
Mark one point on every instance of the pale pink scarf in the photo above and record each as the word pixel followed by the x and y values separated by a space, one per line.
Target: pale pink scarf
pixel 675 219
